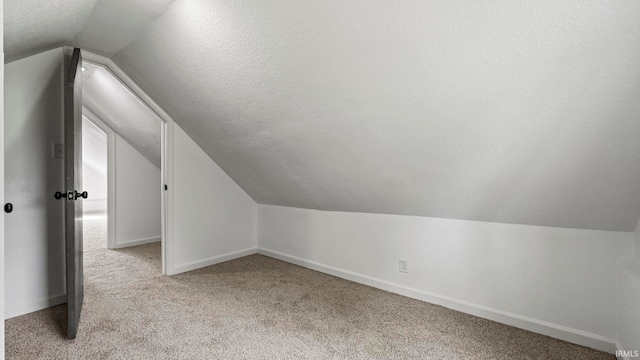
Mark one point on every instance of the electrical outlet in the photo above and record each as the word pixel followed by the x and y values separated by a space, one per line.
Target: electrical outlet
pixel 404 266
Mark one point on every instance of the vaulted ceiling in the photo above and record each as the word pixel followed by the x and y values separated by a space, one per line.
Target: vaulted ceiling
pixel 517 112
pixel 104 97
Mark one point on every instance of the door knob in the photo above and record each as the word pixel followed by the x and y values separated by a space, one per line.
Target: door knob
pixel 58 195
pixel 71 195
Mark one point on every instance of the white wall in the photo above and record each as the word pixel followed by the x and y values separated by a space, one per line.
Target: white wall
pixel 636 235
pixel 94 167
pixel 138 192
pixel 214 220
pixel 34 237
pixel 555 281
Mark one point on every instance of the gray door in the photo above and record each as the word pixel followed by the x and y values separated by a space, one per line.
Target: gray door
pixel 73 186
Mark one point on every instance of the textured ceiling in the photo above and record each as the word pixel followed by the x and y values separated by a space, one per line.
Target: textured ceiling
pixel 122 111
pixel 34 26
pixel 113 24
pixel 517 112
pixel 101 26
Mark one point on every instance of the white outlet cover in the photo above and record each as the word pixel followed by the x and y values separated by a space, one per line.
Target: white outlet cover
pixel 403 266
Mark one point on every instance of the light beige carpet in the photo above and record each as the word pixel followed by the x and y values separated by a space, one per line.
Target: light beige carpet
pixel 257 308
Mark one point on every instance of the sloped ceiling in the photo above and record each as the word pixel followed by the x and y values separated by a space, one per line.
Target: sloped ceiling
pixel 515 112
pixel 34 26
pixel 101 26
pixel 108 99
pixel 113 24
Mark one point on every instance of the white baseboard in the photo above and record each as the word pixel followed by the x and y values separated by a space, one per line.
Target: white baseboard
pixel 211 261
pixel 34 305
pixel 538 326
pixel 130 243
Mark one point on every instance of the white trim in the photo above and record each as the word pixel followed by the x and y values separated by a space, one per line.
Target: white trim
pixel 168 201
pixel 166 152
pixel 111 175
pixel 34 305
pixel 213 260
pixel 136 242
pixel 538 326
pixel 164 194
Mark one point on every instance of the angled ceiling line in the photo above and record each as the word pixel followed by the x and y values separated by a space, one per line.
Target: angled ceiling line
pixel 128 84
pixel 126 87
pixel 108 97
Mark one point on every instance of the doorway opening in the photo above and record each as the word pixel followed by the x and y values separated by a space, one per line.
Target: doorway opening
pixel 123 140
pixel 95 182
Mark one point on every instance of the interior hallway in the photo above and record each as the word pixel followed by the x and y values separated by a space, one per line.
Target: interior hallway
pixel 256 308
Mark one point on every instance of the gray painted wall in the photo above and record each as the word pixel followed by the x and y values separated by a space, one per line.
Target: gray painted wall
pixel 34 242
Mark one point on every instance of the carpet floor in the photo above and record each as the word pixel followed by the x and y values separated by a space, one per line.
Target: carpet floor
pixel 256 307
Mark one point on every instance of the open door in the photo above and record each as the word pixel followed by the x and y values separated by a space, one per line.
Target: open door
pixel 73 184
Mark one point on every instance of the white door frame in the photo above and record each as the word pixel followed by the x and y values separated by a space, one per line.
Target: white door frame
pixel 166 158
